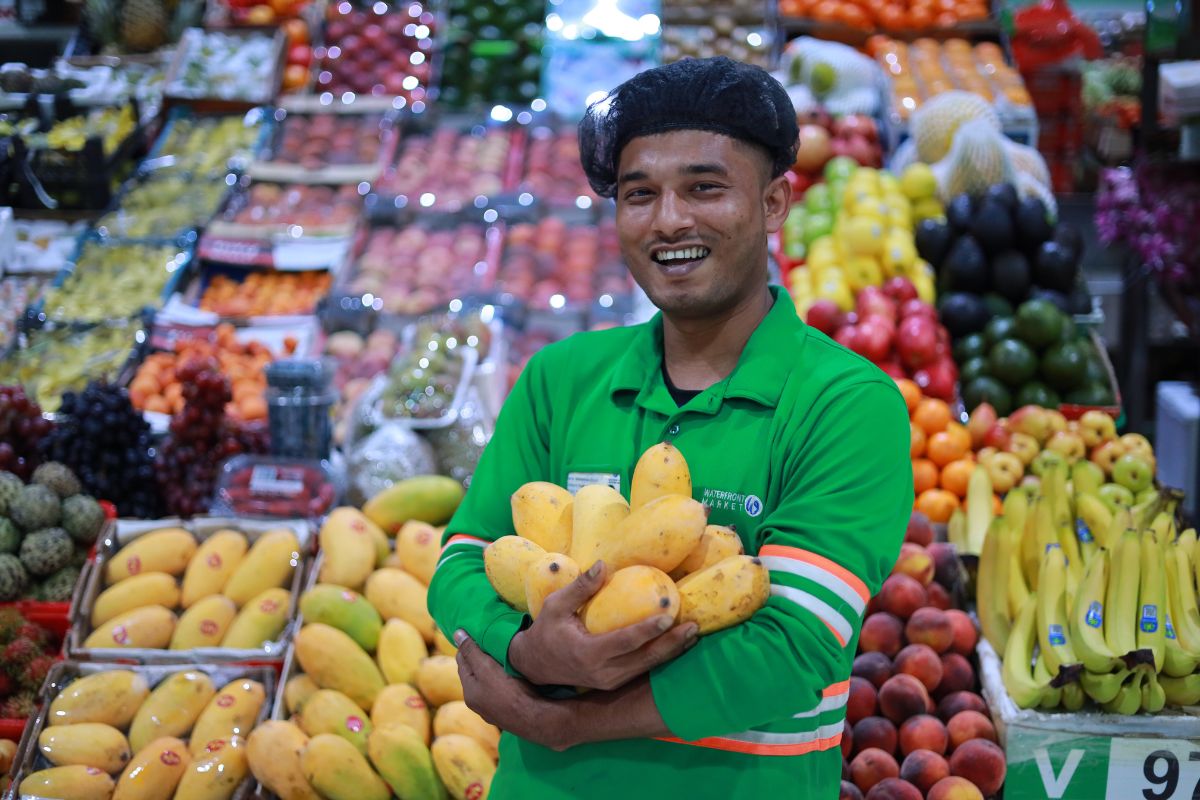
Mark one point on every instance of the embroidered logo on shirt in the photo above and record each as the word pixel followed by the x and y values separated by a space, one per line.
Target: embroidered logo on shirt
pixel 720 500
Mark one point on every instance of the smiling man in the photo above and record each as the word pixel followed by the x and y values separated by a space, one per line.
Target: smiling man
pixel 799 443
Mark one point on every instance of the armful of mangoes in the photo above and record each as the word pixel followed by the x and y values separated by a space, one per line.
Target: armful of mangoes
pixel 662 555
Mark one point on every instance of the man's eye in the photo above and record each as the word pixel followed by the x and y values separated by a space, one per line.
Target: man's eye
pixel 707 187
pixel 635 194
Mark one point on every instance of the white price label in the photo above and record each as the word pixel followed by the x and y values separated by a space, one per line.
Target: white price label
pixel 1154 769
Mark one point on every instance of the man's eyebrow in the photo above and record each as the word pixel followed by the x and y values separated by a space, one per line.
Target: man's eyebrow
pixel 635 175
pixel 703 169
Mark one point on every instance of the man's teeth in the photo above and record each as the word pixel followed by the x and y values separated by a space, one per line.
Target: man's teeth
pixel 687 254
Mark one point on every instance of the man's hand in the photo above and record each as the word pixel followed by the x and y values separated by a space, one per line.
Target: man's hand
pixel 558 650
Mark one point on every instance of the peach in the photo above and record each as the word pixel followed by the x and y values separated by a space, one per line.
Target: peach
pixel 923 732
pixel 956 702
pixel 982 763
pixel 847 740
pixel 965 635
pixel 920 530
pixel 882 633
pixel 875 733
pixel 946 569
pixel 922 663
pixel 901 595
pixel 849 792
pixel 939 597
pixel 914 562
pixel 930 626
pixel 873 606
pixel 924 768
pixel 957 674
pixel 871 766
pixel 862 701
pixel 903 696
pixel 875 667
pixel 894 789
pixel 967 725
pixel 953 787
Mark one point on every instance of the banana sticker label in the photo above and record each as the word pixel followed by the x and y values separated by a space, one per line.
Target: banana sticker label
pixel 1082 532
pixel 1149 621
pixel 1057 635
pixel 1168 627
pixel 1095 615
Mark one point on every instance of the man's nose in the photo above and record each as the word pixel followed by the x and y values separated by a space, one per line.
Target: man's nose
pixel 673 216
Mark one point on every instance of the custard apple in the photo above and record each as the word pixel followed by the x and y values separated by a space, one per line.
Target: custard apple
pixel 13 578
pixel 57 477
pixel 59 587
pixel 10 487
pixel 46 551
pixel 35 507
pixel 10 536
pixel 82 517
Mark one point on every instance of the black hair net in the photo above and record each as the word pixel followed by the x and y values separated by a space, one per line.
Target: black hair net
pixel 711 94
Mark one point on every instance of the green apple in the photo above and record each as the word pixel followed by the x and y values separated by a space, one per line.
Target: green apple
pixel 1115 496
pixel 1086 476
pixel 1133 472
pixel 1146 496
pixel 1045 461
pixel 818 198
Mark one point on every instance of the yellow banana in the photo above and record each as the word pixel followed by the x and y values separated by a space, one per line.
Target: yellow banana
pixel 979 508
pixel 1087 618
pixel 990 580
pixel 956 530
pixel 1053 634
pixel 1018 590
pixel 1187 538
pixel 1154 697
pixel 1162 528
pixel 1016 508
pixel 1064 523
pixel 1151 594
pixel 1177 662
pixel 1017 669
pixel 1073 697
pixel 1122 521
pixel 1094 516
pixel 1120 600
pixel 1031 548
pixel 1183 691
pixel 1103 687
pixel 1052 696
pixel 1129 698
pixel 1181 597
pixel 1145 511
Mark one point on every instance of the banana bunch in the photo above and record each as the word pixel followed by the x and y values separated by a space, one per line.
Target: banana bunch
pixel 1073 595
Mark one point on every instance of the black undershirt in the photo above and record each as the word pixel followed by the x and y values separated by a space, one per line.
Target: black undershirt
pixel 681 396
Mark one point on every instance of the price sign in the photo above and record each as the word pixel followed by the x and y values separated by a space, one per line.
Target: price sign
pixel 1064 766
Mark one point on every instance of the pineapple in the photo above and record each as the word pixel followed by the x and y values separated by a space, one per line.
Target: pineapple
pixel 144 24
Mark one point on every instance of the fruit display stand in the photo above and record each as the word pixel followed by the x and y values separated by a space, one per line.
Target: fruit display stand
pixel 226 71
pixel 125 635
pixel 379 50
pixel 52 621
pixel 238 690
pixel 163 205
pixel 209 144
pixel 1086 754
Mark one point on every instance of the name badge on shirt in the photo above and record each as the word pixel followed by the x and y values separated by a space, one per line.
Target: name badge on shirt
pixel 577 480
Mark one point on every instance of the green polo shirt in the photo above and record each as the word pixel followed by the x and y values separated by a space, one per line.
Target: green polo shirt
pixel 804 448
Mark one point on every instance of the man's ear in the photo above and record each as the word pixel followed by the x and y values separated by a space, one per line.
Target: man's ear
pixel 777 201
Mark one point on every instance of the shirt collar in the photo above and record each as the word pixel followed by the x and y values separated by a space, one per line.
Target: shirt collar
pixel 769 355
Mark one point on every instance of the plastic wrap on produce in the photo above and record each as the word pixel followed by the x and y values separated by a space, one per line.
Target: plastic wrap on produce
pixel 390 454
pixel 459 446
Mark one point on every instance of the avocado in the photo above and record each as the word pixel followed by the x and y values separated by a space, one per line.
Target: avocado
pixel 1071 238
pixel 1032 224
pixel 1011 275
pixel 933 239
pixel 1094 371
pixel 972 368
pixel 992 226
pixel 989 390
pixel 998 329
pixel 1064 366
pixel 1012 361
pixel 1058 299
pixel 997 305
pixel 1003 193
pixel 1055 267
pixel 1092 394
pixel 962 313
pixel 1039 323
pixel 960 211
pixel 970 346
pixel 1079 302
pixel 1036 393
pixel 965 266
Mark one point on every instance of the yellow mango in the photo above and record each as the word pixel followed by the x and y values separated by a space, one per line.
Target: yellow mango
pixel 398 595
pixel 75 782
pixel 216 773
pixel 330 711
pixel 404 762
pixel 393 560
pixel 205 623
pixel 464 766
pixel 155 771
pixel 336 769
pixel 597 511
pixel 401 650
pixel 442 645
pixel 268 564
pixel 551 572
pixel 8 751
pixel 402 704
pixel 146 589
pixel 167 550
pixel 717 543
pixel 662 470
pixel 297 691
pixel 273 751
pixel 335 661
pixel 260 621
pixel 172 708
pixel 419 545
pixel 149 627
pixel 345 610
pixel 660 534
pixel 232 712
pixel 506 562
pixel 542 512
pixel 438 681
pixel 112 697
pixel 215 561
pixel 92 744
pixel 428 498
pixel 631 595
pixel 348 553
pixel 455 717
pixel 724 594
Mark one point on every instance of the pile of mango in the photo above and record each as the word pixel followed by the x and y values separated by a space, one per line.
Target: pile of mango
pixel 372 666
pixel 169 590
pixel 662 557
pixel 187 738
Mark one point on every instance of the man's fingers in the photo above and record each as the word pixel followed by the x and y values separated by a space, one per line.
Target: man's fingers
pixel 659 651
pixel 628 639
pixel 467 651
pixel 567 600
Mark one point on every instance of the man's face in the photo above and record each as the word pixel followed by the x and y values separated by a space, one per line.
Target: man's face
pixel 693 212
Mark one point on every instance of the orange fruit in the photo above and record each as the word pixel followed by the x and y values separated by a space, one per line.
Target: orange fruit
pixel 260 15
pixel 925 475
pixel 937 504
pixel 955 476
pixel 959 433
pixel 946 19
pixel 910 391
pixel 294 77
pixel 892 17
pixel 920 18
pixel 826 10
pixel 916 441
pixel 296 31
pixel 932 415
pixel 941 448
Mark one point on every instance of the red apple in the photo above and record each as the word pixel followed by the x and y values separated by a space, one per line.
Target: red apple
pixel 847 336
pixel 980 422
pixel 917 308
pixel 825 316
pixel 893 369
pixel 900 289
pixel 916 341
pixel 938 379
pixel 815 116
pixel 875 339
pixel 813 149
pixel 856 124
pixel 872 301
